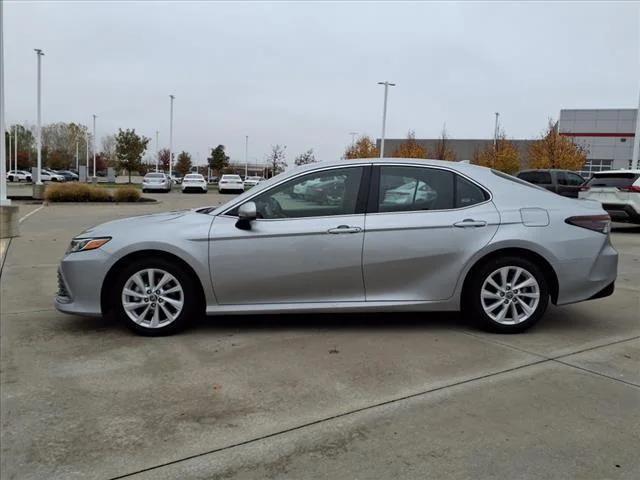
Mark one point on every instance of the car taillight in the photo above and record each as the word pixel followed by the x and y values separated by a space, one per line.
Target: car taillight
pixel 597 223
pixel 632 188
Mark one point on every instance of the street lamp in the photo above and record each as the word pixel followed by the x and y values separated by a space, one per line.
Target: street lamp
pixel 157 151
pixel 172 97
pixel 40 54
pixel 246 155
pixel 636 141
pixel 384 113
pixel 495 132
pixel 93 146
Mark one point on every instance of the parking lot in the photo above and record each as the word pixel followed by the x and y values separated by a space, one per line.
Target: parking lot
pixel 309 396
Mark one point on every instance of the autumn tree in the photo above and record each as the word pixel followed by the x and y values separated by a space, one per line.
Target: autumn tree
pixel 183 164
pixel 443 149
pixel 305 158
pixel 410 148
pixel 276 159
pixel 129 149
pixel 163 159
pixel 109 150
pixel 362 148
pixel 503 156
pixel 218 160
pixel 553 150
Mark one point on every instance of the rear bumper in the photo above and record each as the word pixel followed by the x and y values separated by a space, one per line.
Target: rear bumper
pixel 621 212
pixel 155 186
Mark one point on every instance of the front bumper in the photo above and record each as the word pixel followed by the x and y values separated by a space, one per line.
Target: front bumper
pixel 80 278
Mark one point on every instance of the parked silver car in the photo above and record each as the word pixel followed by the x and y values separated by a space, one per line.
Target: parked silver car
pixel 156 182
pixel 475 239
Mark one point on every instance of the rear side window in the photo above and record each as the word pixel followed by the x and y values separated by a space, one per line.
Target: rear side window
pixel 468 193
pixel 618 180
pixel 537 178
pixel 404 189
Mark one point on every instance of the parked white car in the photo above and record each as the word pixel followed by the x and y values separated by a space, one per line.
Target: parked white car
pixel 156 182
pixel 51 176
pixel 252 181
pixel 231 183
pixel 618 191
pixel 194 182
pixel 18 176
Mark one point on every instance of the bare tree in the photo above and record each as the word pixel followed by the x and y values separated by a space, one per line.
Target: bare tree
pixel 276 159
pixel 109 149
pixel 443 149
pixel 305 158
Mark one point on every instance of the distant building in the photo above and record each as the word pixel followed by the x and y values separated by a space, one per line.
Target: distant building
pixel 607 135
pixel 463 148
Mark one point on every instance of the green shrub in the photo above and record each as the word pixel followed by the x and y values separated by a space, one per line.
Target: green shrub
pixel 126 194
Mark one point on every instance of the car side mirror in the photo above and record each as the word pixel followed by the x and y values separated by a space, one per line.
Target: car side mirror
pixel 246 214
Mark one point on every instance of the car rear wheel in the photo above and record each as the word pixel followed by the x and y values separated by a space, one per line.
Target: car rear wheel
pixel 508 295
pixel 155 297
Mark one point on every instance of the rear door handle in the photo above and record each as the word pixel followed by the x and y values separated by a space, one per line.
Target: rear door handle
pixel 344 229
pixel 469 222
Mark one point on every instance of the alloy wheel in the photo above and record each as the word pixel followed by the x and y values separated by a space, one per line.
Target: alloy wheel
pixel 152 298
pixel 510 295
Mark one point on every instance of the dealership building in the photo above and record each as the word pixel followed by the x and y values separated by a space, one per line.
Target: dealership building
pixel 606 134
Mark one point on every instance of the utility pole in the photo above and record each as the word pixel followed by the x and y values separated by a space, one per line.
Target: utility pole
pixel 246 156
pixel 38 181
pixel 636 140
pixel 171 134
pixel 93 147
pixel 157 151
pixel 384 114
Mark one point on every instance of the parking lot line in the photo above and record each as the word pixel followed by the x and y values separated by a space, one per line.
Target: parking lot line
pixel 30 213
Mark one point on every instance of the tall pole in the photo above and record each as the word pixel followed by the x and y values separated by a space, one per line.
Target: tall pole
pixel 171 134
pixel 86 173
pixel 9 150
pixel 39 53
pixel 384 114
pixel 246 156
pixel 93 147
pixel 77 157
pixel 157 151
pixel 3 173
pixel 15 145
pixel 636 141
pixel 495 132
pixel 353 138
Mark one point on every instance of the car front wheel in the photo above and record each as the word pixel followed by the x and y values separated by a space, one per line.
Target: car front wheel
pixel 508 295
pixel 155 297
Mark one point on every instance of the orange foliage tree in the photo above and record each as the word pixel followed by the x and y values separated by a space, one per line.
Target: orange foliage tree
pixel 504 156
pixel 363 148
pixel 410 148
pixel 553 150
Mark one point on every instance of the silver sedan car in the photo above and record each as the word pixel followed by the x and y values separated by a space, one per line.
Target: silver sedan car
pixel 482 241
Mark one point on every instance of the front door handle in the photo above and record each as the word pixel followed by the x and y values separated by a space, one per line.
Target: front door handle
pixel 344 229
pixel 470 222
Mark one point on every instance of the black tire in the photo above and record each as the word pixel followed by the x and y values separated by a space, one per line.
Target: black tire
pixel 11 179
pixel 473 306
pixel 191 308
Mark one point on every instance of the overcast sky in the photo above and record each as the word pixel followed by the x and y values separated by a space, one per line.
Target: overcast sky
pixel 304 74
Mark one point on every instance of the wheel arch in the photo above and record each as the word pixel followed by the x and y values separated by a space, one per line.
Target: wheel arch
pixel 106 299
pixel 549 272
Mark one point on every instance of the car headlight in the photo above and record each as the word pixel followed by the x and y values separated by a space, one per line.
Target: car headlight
pixel 86 244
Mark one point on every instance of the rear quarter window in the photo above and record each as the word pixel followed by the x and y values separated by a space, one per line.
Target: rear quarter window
pixel 617 180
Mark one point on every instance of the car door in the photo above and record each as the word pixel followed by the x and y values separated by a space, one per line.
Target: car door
pixel 298 249
pixel 416 244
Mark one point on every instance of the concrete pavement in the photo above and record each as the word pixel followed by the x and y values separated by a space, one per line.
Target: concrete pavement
pixel 310 396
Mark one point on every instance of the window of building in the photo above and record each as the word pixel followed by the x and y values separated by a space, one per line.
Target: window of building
pixel 595 165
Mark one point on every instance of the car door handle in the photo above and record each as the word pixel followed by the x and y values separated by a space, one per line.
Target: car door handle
pixel 469 222
pixel 344 229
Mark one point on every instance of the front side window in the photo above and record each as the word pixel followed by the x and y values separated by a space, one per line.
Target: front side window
pixel 330 192
pixel 574 179
pixel 415 188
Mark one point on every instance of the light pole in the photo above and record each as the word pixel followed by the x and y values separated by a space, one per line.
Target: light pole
pixel 495 132
pixel 93 147
pixel 246 155
pixel 353 138
pixel 15 146
pixel 171 134
pixel 10 149
pixel 77 157
pixel 636 140
pixel 86 173
pixel 4 201
pixel 40 54
pixel 157 151
pixel 384 113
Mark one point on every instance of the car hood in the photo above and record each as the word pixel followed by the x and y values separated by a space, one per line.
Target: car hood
pixel 138 222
